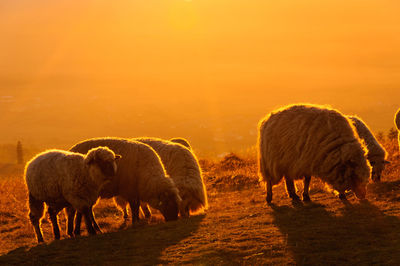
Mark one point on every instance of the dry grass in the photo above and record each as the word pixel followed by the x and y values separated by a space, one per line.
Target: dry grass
pixel 238 227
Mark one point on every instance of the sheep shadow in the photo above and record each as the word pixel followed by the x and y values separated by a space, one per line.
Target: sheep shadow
pixel 358 234
pixel 143 245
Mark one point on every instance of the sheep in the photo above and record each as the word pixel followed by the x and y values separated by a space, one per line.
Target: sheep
pixel 306 140
pixel 181 141
pixel 182 166
pixel 397 123
pixel 376 153
pixel 62 179
pixel 140 177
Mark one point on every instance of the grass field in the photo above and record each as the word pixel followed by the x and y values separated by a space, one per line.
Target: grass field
pixel 238 227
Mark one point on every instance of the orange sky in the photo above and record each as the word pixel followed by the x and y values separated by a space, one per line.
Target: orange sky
pixel 207 70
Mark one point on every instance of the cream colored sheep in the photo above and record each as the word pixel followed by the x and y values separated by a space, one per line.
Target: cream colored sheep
pixel 140 177
pixel 61 179
pixel 376 153
pixel 182 166
pixel 300 141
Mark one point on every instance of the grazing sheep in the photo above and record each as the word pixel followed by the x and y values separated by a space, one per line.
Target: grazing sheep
pixel 63 179
pixel 140 177
pixel 182 166
pixel 397 123
pixel 299 141
pixel 376 153
pixel 182 141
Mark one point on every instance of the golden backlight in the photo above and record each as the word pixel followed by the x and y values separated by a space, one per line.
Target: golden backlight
pixel 206 70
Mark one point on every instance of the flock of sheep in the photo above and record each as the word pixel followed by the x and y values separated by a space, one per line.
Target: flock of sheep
pixel 295 142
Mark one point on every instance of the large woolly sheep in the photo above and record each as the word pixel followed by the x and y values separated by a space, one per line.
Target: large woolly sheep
pixel 376 153
pixel 182 166
pixel 305 140
pixel 62 179
pixel 140 177
pixel 181 141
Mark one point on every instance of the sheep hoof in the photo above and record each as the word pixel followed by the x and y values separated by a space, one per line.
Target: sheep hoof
pixel 306 198
pixel 268 199
pixel 342 196
pixel 294 197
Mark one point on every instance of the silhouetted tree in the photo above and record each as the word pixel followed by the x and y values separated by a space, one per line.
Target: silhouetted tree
pixel 392 134
pixel 20 154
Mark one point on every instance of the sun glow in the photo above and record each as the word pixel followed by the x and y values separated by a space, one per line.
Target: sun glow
pixel 183 15
pixel 209 66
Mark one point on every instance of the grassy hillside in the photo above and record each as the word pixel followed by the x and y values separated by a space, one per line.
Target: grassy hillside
pixel 238 227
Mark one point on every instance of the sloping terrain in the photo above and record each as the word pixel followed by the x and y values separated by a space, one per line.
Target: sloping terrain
pixel 238 228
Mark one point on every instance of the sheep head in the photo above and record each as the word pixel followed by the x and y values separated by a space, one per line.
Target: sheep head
pixel 378 165
pixel 168 205
pixel 356 175
pixel 101 162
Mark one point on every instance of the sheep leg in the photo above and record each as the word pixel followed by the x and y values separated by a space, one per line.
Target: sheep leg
pixel 306 196
pixel 145 209
pixel 125 212
pixel 86 212
pixel 135 204
pixel 186 212
pixel 70 211
pixel 122 204
pixel 95 225
pixel 78 219
pixel 291 189
pixel 269 191
pixel 35 214
pixel 342 196
pixel 53 211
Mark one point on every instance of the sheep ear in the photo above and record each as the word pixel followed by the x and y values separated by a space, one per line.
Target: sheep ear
pixel 118 156
pixel 386 162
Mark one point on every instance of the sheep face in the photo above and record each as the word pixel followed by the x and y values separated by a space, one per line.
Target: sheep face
pixel 378 165
pixel 102 164
pixel 168 205
pixel 357 174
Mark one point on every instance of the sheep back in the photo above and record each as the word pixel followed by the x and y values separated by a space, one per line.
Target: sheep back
pixel 397 119
pixel 60 177
pixel 181 141
pixel 374 148
pixel 182 166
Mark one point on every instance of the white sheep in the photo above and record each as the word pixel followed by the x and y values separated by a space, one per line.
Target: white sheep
pixel 62 179
pixel 376 153
pixel 140 177
pixel 300 141
pixel 182 166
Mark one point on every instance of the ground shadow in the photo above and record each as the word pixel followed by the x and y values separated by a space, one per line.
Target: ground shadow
pixel 358 234
pixel 143 245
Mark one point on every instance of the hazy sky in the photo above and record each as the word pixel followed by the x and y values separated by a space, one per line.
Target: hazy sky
pixel 207 70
